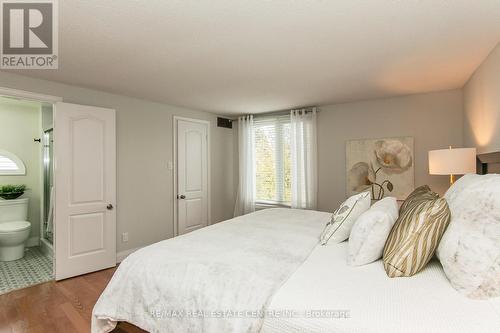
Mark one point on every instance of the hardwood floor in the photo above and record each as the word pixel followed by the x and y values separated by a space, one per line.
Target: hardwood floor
pixel 64 306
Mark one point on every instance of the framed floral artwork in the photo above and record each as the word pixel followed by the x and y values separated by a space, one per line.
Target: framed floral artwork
pixel 385 167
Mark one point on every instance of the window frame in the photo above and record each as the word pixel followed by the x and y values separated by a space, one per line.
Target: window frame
pixel 21 168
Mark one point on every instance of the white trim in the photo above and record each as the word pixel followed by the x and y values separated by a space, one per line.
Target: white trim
pixel 263 205
pixel 33 241
pixel 174 173
pixel 120 256
pixel 28 95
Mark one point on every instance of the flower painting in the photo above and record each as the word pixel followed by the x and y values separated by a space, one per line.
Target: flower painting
pixel 382 166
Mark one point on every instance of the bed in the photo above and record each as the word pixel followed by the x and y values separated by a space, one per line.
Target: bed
pixel 265 272
pixel 216 279
pixel 327 295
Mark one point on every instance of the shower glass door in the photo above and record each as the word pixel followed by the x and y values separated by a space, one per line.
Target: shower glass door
pixel 48 185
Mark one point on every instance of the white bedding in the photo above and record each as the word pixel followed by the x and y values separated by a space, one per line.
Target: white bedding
pixel 372 302
pixel 231 266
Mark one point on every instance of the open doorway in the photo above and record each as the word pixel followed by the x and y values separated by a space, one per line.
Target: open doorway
pixel 58 153
pixel 26 193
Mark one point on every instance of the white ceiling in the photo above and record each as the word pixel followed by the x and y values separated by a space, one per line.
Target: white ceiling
pixel 240 56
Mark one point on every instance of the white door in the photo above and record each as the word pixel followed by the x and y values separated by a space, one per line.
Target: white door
pixel 85 189
pixel 192 175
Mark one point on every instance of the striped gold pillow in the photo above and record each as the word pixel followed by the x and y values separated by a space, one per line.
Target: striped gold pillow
pixel 420 193
pixel 423 218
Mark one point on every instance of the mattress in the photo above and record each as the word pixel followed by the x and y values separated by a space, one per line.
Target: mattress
pixel 327 295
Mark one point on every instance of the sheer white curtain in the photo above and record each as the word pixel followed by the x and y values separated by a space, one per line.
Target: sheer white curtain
pixel 303 147
pixel 245 198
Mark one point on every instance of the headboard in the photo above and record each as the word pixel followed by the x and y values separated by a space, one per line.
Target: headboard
pixel 488 163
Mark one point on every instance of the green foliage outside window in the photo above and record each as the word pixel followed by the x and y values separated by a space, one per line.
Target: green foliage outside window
pixel 273 163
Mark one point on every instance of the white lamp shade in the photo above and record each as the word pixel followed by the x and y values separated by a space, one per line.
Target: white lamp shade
pixel 456 161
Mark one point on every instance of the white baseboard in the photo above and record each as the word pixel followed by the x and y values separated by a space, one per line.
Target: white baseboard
pixel 33 241
pixel 120 256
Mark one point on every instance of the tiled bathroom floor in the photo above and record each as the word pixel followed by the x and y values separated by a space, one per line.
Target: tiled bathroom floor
pixel 34 268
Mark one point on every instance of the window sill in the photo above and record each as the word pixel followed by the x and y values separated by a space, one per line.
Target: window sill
pixel 265 205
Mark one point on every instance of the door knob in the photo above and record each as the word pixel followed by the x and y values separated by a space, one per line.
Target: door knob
pixel 182 196
pixel 109 207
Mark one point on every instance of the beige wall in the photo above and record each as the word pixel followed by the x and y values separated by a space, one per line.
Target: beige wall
pixel 482 105
pixel 144 133
pixel 19 125
pixel 435 120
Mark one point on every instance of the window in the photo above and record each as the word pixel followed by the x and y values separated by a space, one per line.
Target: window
pixel 10 164
pixel 273 160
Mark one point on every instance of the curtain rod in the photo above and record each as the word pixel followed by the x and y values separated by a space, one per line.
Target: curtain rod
pixel 280 112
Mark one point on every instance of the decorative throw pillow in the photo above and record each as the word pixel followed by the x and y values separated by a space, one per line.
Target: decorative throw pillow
pixel 457 187
pixel 416 234
pixel 370 231
pixel 419 193
pixel 470 248
pixel 339 227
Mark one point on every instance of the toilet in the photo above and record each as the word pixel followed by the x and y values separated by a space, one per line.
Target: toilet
pixel 14 229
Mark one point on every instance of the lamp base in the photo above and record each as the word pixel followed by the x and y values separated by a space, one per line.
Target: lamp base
pixel 452 179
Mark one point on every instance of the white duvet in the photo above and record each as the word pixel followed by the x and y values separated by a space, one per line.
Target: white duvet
pixel 217 279
pixel 329 296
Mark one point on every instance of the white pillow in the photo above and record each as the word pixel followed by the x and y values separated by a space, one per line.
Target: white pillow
pixel 339 228
pixel 470 248
pixel 464 181
pixel 370 232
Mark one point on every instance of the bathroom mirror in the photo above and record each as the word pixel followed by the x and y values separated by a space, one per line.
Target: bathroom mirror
pixel 10 164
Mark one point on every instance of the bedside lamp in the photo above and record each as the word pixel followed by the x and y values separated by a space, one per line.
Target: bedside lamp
pixel 452 161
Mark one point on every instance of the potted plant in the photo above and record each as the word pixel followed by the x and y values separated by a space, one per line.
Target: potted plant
pixel 10 192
